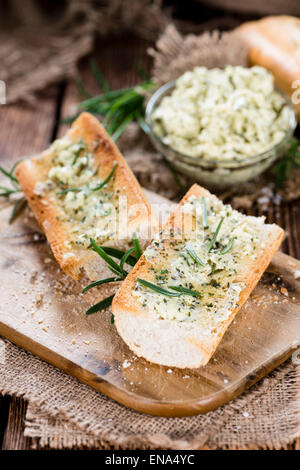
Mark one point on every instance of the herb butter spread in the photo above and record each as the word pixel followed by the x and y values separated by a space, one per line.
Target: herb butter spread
pixel 229 114
pixel 202 267
pixel 87 204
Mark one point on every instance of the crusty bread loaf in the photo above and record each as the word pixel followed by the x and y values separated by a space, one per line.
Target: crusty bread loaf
pixel 154 333
pixel 48 207
pixel 274 43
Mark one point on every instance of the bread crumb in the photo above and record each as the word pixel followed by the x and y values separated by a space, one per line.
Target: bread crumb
pixel 86 342
pixel 73 341
pixel 297 274
pixel 45 329
pixel 284 291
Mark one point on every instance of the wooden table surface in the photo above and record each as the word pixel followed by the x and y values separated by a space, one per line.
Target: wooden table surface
pixel 27 129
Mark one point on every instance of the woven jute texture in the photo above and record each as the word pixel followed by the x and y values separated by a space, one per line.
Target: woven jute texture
pixel 63 412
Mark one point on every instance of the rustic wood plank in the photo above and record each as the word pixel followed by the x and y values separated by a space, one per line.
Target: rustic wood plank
pixel 4 412
pixel 14 433
pixel 25 129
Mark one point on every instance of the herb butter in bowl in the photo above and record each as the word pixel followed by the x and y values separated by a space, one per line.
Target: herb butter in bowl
pixel 221 126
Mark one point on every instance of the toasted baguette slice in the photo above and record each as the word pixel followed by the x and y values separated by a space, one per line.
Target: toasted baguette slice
pixel 49 195
pixel 158 327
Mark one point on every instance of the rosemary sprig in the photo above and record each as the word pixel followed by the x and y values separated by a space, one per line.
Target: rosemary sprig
pixel 118 107
pixel 194 256
pixel 282 169
pixel 106 253
pixel 214 238
pixel 5 191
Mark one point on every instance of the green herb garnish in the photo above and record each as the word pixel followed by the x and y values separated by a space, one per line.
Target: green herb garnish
pixel 6 191
pixel 228 247
pixel 87 189
pixel 214 238
pixel 115 253
pixel 158 289
pixel 77 154
pixel 118 107
pixel 99 283
pixel 110 262
pixel 125 257
pixel 194 256
pixel 100 305
pixel 100 186
pixel 106 253
pixel 185 290
pixel 137 246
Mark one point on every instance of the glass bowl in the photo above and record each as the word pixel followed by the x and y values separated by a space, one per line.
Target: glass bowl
pixel 218 174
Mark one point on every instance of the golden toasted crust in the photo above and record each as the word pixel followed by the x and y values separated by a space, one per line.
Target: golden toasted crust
pixel 32 171
pixel 125 306
pixel 274 43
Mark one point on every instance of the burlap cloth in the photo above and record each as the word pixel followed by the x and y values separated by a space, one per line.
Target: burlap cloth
pixel 62 412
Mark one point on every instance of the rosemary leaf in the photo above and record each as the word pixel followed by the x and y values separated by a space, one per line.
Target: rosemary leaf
pixel 98 75
pixel 121 128
pixel 9 174
pixel 77 154
pixel 185 291
pixel 69 190
pixel 194 256
pixel 112 319
pixel 7 191
pixel 158 289
pixel 115 253
pixel 111 263
pixel 18 208
pixel 100 305
pixel 228 247
pixel 100 186
pixel 136 246
pixel 214 238
pixel 125 257
pixel 99 283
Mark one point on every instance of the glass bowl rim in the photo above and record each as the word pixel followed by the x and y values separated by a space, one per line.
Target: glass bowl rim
pixel 199 161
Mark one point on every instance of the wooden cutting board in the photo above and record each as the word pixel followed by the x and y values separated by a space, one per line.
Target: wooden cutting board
pixel 43 311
